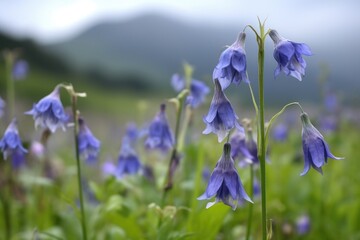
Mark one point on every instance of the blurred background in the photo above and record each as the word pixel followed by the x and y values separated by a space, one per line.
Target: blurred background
pixel 123 54
pixel 137 45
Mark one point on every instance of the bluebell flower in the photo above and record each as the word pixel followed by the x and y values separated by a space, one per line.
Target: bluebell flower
pixel 225 183
pixel 11 145
pixel 128 161
pixel 2 106
pixel 108 168
pixel 160 135
pixel 288 55
pixel 232 64
pixel 316 150
pixel 89 145
pixel 132 133
pixel 20 69
pixel 221 117
pixel 303 225
pixel 49 112
pixel 280 132
pixel 198 90
pixel 239 148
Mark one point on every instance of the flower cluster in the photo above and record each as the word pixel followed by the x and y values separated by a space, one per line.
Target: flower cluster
pixel 221 117
pixel 198 90
pixel 49 112
pixel 316 150
pixel 288 55
pixel 11 145
pixel 225 183
pixel 160 135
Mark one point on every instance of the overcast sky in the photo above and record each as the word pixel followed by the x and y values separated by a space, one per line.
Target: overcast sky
pixel 54 20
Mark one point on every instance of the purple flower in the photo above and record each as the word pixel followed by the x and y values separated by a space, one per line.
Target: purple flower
pixel 128 161
pixel 198 90
pixel 303 225
pixel 109 168
pixel 288 56
pixel 316 150
pixel 132 133
pixel 329 123
pixel 20 70
pixel 331 102
pixel 11 145
pixel 239 148
pixel 221 117
pixel 160 135
pixel 37 149
pixel 225 183
pixel 280 132
pixel 232 64
pixel 2 106
pixel 89 145
pixel 49 112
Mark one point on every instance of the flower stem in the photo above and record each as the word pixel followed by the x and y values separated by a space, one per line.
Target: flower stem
pixel 10 88
pixel 174 157
pixel 261 130
pixel 76 130
pixel 251 192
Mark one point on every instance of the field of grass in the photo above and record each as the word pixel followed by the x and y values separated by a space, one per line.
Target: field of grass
pixel 47 207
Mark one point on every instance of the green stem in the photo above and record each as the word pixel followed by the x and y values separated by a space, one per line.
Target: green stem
pixel 76 130
pixel 261 56
pixel 251 192
pixel 10 88
pixel 174 153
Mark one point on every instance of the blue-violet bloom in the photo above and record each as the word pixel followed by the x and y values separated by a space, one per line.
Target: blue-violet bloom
pixel 225 183
pixel 128 161
pixel 11 144
pixel 288 56
pixel 89 145
pixel 280 132
pixel 20 70
pixel 316 150
pixel 232 64
pixel 303 225
pixel 221 117
pixel 49 112
pixel 238 146
pixel 198 90
pixel 160 135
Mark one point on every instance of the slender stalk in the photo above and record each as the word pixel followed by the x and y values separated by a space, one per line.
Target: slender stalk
pixel 251 192
pixel 76 130
pixel 174 158
pixel 261 130
pixel 10 88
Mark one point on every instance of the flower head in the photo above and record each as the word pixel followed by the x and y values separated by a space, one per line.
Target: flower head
pixel 221 117
pixel 2 106
pixel 89 145
pixel 316 150
pixel 198 90
pixel 128 161
pixel 288 56
pixel 232 64
pixel 160 135
pixel 49 112
pixel 225 183
pixel 11 144
pixel 303 225
pixel 20 69
pixel 280 132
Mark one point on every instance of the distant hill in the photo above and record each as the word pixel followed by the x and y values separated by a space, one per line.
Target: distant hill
pixel 151 48
pixel 37 55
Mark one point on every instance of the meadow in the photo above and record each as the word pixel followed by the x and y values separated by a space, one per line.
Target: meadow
pixel 40 199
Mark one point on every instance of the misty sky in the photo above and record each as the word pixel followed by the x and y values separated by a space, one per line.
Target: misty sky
pixel 56 20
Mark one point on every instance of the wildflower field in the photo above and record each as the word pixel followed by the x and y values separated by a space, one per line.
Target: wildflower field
pixel 80 163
